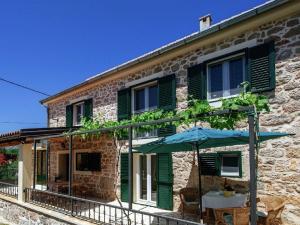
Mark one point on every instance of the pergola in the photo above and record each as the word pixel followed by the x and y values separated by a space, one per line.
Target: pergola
pixel 249 110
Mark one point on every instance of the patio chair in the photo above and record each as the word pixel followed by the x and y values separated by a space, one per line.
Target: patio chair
pixel 273 209
pixel 189 200
pixel 232 216
pixel 248 204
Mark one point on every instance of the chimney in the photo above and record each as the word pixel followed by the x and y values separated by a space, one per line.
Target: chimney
pixel 205 22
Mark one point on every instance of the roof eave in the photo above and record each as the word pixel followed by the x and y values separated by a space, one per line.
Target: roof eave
pixel 28 135
pixel 177 44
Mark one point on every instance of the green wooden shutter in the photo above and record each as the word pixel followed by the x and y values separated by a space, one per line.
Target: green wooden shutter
pixel 124 177
pixel 166 131
pixel 167 101
pixel 167 92
pixel 197 86
pixel 124 104
pixel 209 163
pixel 261 67
pixel 69 116
pixel 164 181
pixel 88 109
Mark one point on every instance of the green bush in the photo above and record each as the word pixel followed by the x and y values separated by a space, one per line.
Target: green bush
pixel 9 172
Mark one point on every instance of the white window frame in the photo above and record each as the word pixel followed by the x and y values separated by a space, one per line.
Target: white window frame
pixel 75 123
pixel 147 108
pixel 149 181
pixel 226 76
pixel 146 87
pixel 230 174
pixel 75 171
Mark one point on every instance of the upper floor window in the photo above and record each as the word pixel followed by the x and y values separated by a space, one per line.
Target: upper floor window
pixel 145 98
pixel 78 113
pixel 225 77
pixel 154 94
pixel 75 112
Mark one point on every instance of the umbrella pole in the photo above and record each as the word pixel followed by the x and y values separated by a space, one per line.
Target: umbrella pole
pixel 200 183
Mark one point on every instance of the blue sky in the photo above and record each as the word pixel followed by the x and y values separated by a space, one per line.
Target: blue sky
pixel 51 45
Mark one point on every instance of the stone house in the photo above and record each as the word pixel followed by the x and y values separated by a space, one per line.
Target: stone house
pixel 261 46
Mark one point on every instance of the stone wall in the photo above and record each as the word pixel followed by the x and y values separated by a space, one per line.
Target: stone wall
pixel 22 216
pixel 279 160
pixel 98 184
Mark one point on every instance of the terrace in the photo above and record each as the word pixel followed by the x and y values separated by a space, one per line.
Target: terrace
pixel 103 210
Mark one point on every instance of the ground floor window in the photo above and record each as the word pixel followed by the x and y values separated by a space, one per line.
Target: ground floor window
pixel 225 164
pixel 86 161
pixel 230 164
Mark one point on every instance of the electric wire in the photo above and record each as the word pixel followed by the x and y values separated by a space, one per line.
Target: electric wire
pixel 27 88
pixel 24 87
pixel 17 122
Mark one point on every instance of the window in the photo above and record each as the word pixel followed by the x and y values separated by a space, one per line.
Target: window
pixel 88 162
pixel 225 77
pixel 75 112
pixel 225 164
pixel 145 98
pixel 78 113
pixel 230 164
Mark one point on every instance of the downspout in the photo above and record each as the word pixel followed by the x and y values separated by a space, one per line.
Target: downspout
pixel 48 120
pixel 48 116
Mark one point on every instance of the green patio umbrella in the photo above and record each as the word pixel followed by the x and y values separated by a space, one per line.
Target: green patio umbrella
pixel 198 138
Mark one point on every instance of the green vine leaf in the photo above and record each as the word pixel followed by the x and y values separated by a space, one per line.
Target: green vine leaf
pixel 186 116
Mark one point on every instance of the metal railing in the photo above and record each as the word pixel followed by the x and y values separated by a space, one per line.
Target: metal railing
pixel 98 212
pixel 9 189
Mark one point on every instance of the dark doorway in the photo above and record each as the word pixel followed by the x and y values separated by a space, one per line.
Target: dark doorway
pixel 41 167
pixel 63 167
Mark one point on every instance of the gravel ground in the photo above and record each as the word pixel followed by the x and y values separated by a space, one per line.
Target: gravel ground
pixel 5 222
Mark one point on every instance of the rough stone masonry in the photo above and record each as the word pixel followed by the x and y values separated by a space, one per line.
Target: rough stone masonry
pixel 279 160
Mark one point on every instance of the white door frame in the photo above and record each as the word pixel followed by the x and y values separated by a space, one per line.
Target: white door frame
pixel 149 182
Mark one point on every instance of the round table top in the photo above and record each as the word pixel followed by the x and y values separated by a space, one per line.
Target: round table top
pixel 215 200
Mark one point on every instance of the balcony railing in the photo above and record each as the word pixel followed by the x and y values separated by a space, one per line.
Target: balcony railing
pixel 98 212
pixel 9 189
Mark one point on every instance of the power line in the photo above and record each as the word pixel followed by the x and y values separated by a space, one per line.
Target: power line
pixel 19 122
pixel 24 87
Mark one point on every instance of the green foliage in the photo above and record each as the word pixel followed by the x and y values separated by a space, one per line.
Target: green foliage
pixel 188 115
pixel 196 107
pixel 9 151
pixel 8 172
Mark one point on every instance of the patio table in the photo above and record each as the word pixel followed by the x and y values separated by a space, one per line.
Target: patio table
pixel 216 199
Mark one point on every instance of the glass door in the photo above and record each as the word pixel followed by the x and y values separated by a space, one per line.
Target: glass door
pixel 143 177
pixel 153 178
pixel 147 184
